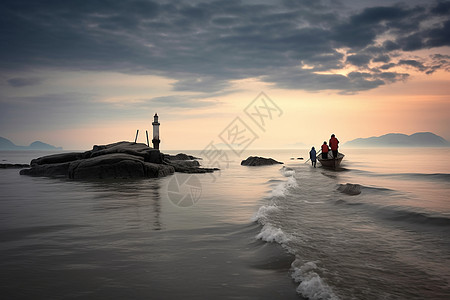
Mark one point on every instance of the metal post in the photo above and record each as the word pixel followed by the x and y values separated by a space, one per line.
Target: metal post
pixel 146 133
pixel 135 139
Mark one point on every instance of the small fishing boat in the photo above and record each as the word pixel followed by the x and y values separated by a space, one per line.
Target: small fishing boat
pixel 330 162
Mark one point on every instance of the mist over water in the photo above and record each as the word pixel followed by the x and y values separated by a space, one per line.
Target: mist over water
pixel 274 232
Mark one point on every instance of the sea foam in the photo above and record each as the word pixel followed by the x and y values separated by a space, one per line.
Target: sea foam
pixel 272 234
pixel 311 284
pixel 283 188
pixel 263 212
pixel 287 172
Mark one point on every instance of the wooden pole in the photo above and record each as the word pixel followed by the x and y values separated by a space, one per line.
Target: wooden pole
pixel 146 133
pixel 135 139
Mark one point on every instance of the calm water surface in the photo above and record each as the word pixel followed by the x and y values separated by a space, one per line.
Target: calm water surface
pixel 254 233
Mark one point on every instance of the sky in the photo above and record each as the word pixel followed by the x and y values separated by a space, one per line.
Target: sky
pixel 259 74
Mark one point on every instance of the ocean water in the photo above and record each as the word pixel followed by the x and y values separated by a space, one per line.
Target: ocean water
pixel 273 232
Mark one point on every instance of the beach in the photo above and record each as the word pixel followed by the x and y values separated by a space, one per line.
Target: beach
pixel 269 232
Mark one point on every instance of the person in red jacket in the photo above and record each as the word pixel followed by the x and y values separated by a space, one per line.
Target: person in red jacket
pixel 334 142
pixel 325 150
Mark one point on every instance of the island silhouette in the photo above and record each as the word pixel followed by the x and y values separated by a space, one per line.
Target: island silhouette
pixel 418 139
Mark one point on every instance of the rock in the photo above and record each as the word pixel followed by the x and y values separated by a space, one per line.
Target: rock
pixel 47 170
pixel 116 165
pixel 118 160
pixel 139 150
pixel 56 158
pixel 13 166
pixel 259 161
pixel 187 166
pixel 180 156
pixel 350 189
pixel 184 163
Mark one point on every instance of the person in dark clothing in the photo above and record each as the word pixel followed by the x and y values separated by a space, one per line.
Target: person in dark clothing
pixel 312 156
pixel 334 142
pixel 325 150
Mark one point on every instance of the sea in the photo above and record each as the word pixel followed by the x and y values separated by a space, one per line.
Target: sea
pixel 377 228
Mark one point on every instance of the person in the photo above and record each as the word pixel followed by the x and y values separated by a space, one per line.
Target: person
pixel 312 156
pixel 334 145
pixel 325 150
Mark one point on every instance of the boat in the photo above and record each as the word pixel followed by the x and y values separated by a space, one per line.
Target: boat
pixel 330 162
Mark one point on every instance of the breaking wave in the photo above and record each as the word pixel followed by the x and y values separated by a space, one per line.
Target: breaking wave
pixel 311 285
pixel 272 234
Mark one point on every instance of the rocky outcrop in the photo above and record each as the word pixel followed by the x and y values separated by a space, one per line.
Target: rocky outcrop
pixel 118 160
pixel 259 161
pixel 180 156
pixel 13 166
pixel 350 189
pixel 184 163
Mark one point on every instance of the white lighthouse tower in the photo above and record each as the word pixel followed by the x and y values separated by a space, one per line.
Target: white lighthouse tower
pixel 156 139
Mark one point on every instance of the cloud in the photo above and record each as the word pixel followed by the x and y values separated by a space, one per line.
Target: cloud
pixel 204 45
pixel 21 82
pixel 181 101
pixel 359 60
pixel 413 63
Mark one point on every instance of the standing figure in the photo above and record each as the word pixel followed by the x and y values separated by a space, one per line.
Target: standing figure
pixel 325 150
pixel 334 145
pixel 312 156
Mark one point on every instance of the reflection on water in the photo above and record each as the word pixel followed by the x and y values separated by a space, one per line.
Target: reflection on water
pixel 143 197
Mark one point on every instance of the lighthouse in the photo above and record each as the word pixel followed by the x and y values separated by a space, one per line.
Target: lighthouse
pixel 156 139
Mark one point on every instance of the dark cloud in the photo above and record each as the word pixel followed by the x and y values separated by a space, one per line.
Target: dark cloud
pixel 21 82
pixel 442 8
pixel 387 66
pixel 206 44
pixel 359 60
pixel 413 63
pixel 382 58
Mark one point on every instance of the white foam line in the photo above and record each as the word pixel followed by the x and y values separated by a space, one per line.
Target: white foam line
pixel 272 234
pixel 311 285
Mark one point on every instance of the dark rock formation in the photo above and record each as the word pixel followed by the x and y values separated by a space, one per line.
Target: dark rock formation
pixel 56 158
pixel 350 189
pixel 118 160
pixel 13 166
pixel 180 156
pixel 259 161
pixel 184 163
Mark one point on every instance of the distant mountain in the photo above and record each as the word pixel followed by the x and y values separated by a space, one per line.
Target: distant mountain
pixel 419 139
pixel 6 144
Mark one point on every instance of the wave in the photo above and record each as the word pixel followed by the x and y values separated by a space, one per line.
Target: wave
pixel 416 217
pixel 282 189
pixel 263 212
pixel 311 285
pixel 416 176
pixel 433 176
pixel 286 171
pixel 272 234
pixel 403 215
